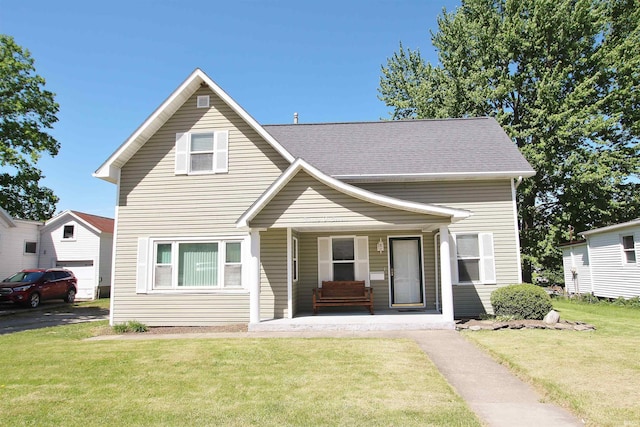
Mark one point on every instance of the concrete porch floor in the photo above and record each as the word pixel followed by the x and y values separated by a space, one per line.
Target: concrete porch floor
pixel 383 320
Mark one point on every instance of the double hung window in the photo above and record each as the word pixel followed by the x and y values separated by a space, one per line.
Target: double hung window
pixel 202 152
pixel 473 259
pixel 343 258
pixel 629 249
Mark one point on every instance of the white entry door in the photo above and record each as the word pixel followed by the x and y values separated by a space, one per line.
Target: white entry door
pixel 406 271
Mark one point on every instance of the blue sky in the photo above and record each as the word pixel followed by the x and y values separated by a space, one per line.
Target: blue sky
pixel 112 63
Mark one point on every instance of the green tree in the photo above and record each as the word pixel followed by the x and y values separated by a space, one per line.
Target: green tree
pixel 562 78
pixel 27 110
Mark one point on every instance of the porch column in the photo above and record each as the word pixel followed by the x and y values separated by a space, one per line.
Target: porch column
pixel 289 275
pixel 445 275
pixel 254 278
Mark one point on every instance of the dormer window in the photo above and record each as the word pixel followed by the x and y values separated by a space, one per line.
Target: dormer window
pixel 68 232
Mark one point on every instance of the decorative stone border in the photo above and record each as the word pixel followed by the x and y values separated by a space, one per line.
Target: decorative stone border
pixel 492 325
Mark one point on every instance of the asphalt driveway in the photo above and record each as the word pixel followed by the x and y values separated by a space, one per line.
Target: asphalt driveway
pixel 50 313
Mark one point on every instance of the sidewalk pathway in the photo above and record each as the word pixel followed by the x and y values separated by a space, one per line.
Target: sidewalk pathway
pixel 497 396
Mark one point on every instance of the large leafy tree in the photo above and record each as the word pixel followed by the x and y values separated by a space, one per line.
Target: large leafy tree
pixel 563 79
pixel 27 111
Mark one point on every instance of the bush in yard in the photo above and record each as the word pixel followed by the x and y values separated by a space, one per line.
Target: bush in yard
pixel 523 301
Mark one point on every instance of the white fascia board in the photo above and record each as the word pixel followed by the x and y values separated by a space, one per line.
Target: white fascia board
pixel 359 193
pixel 108 170
pixel 631 223
pixel 7 218
pixel 435 176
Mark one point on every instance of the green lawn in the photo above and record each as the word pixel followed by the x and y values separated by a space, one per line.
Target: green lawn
pixel 595 374
pixel 54 377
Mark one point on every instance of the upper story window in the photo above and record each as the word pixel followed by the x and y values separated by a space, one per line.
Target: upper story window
pixel 203 101
pixel 202 152
pixel 68 232
pixel 629 249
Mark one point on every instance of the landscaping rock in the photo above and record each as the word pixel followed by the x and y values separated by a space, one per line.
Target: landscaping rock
pixel 562 326
pixel 552 317
pixel 491 325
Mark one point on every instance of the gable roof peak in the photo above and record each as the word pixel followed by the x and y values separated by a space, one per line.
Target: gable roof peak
pixel 109 170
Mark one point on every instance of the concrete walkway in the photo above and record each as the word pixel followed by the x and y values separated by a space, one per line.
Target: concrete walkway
pixel 497 396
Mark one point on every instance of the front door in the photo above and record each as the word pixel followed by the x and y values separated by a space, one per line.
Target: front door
pixel 406 271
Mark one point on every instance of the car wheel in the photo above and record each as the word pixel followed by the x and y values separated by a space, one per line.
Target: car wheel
pixel 71 296
pixel 34 300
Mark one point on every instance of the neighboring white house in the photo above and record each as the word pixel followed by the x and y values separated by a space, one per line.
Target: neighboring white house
pixel 73 240
pixel 19 243
pixel 81 243
pixel 605 263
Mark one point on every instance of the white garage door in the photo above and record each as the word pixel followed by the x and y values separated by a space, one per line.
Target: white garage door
pixel 85 273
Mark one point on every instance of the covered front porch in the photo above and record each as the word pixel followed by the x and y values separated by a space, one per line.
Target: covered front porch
pixel 309 228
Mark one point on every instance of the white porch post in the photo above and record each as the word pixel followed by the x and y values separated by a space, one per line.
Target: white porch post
pixel 445 275
pixel 289 275
pixel 254 278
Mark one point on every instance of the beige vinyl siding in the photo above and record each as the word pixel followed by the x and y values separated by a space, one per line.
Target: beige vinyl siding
pixel 611 277
pixel 154 202
pixel 377 262
pixel 273 274
pixel 492 210
pixel 305 201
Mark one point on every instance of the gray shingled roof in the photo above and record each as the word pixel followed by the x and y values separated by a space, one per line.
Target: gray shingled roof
pixel 407 147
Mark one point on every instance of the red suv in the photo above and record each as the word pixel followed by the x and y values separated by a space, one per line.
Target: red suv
pixel 29 287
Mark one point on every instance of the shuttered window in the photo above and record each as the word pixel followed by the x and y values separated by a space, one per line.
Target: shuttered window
pixel 343 258
pixel 202 152
pixel 472 258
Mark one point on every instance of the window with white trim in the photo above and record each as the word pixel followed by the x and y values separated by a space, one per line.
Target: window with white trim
pixel 68 232
pixel 343 258
pixel 472 258
pixel 196 265
pixel 294 258
pixel 202 152
pixel 629 249
pixel 202 101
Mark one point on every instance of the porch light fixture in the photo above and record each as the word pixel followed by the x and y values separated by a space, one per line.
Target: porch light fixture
pixel 380 246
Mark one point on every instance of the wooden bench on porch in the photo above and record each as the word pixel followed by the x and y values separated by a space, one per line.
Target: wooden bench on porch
pixel 342 293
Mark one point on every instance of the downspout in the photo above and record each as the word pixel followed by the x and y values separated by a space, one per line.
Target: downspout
pixel 518 181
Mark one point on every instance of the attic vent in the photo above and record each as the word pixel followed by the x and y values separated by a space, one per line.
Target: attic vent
pixel 203 101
